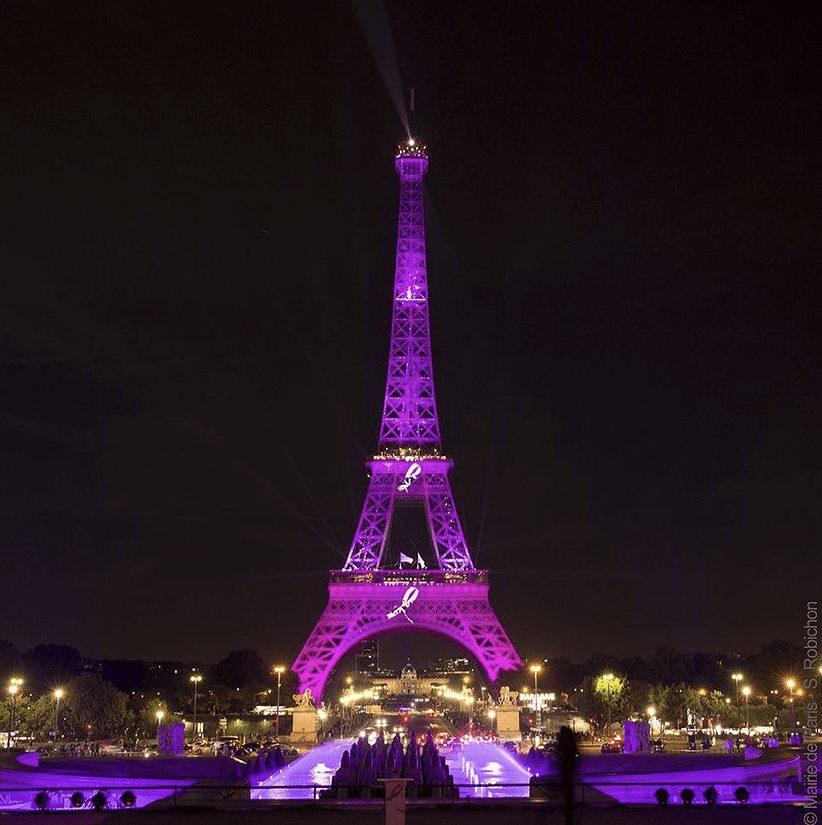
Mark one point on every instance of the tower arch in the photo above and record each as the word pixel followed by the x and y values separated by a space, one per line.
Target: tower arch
pixel 437 602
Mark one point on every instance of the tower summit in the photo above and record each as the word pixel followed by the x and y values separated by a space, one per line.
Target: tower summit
pixel 374 595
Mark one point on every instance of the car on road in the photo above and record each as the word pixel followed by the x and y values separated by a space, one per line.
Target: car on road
pixel 612 746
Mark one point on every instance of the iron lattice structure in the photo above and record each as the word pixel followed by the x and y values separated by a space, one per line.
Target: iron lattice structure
pixel 365 600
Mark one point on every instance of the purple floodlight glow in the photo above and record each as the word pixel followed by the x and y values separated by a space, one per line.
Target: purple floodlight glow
pixel 365 601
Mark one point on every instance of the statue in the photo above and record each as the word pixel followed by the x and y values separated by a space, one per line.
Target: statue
pixel 507 696
pixel 304 700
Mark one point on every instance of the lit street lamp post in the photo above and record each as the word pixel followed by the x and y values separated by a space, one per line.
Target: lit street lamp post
pixel 747 691
pixel 737 677
pixel 14 686
pixel 197 678
pixel 58 695
pixel 279 670
pixel 535 669
pixel 791 684
pixel 609 677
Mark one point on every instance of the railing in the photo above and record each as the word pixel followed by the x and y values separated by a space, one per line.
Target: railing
pixel 540 790
pixel 410 576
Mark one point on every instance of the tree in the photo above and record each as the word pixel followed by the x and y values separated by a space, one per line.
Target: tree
pixel 94 708
pixel 774 664
pixel 146 717
pixel 601 663
pixel 674 703
pixel 669 666
pixel 600 698
pixel 242 669
pixel 714 707
pixel 39 716
pixel 641 696
pixel 612 691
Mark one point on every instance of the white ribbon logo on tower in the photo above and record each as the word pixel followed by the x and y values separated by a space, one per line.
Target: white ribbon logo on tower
pixel 411 475
pixel 407 600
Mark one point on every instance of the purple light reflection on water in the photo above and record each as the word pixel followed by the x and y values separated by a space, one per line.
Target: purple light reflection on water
pixel 298 779
pixel 483 769
pixel 488 771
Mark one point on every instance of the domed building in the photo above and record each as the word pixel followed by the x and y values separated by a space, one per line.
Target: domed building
pixel 410 684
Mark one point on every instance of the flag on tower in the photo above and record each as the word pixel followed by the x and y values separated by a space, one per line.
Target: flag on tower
pixel 405 559
pixel 420 561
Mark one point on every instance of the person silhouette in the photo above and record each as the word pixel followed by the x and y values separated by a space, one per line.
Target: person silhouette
pixel 566 755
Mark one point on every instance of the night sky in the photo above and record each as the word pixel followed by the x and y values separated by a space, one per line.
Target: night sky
pixel 198 237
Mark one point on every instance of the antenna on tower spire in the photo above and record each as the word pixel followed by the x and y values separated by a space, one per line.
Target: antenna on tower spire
pixel 411 113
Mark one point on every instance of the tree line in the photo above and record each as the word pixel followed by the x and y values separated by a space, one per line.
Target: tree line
pixel 121 699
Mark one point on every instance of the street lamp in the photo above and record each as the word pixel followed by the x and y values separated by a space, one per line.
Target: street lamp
pixel 791 684
pixel 535 669
pixel 196 679
pixel 608 677
pixel 160 714
pixel 747 691
pixel 14 686
pixel 737 677
pixel 58 695
pixel 279 670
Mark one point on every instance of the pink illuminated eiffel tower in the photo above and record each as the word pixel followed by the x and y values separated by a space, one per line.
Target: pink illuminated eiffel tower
pixel 365 598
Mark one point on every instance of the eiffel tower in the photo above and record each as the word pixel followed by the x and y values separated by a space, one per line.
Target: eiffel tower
pixel 366 599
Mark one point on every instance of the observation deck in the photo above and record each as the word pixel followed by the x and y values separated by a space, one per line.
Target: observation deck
pixel 411 149
pixel 405 578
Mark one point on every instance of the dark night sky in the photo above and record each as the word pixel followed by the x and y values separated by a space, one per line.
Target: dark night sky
pixel 198 231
